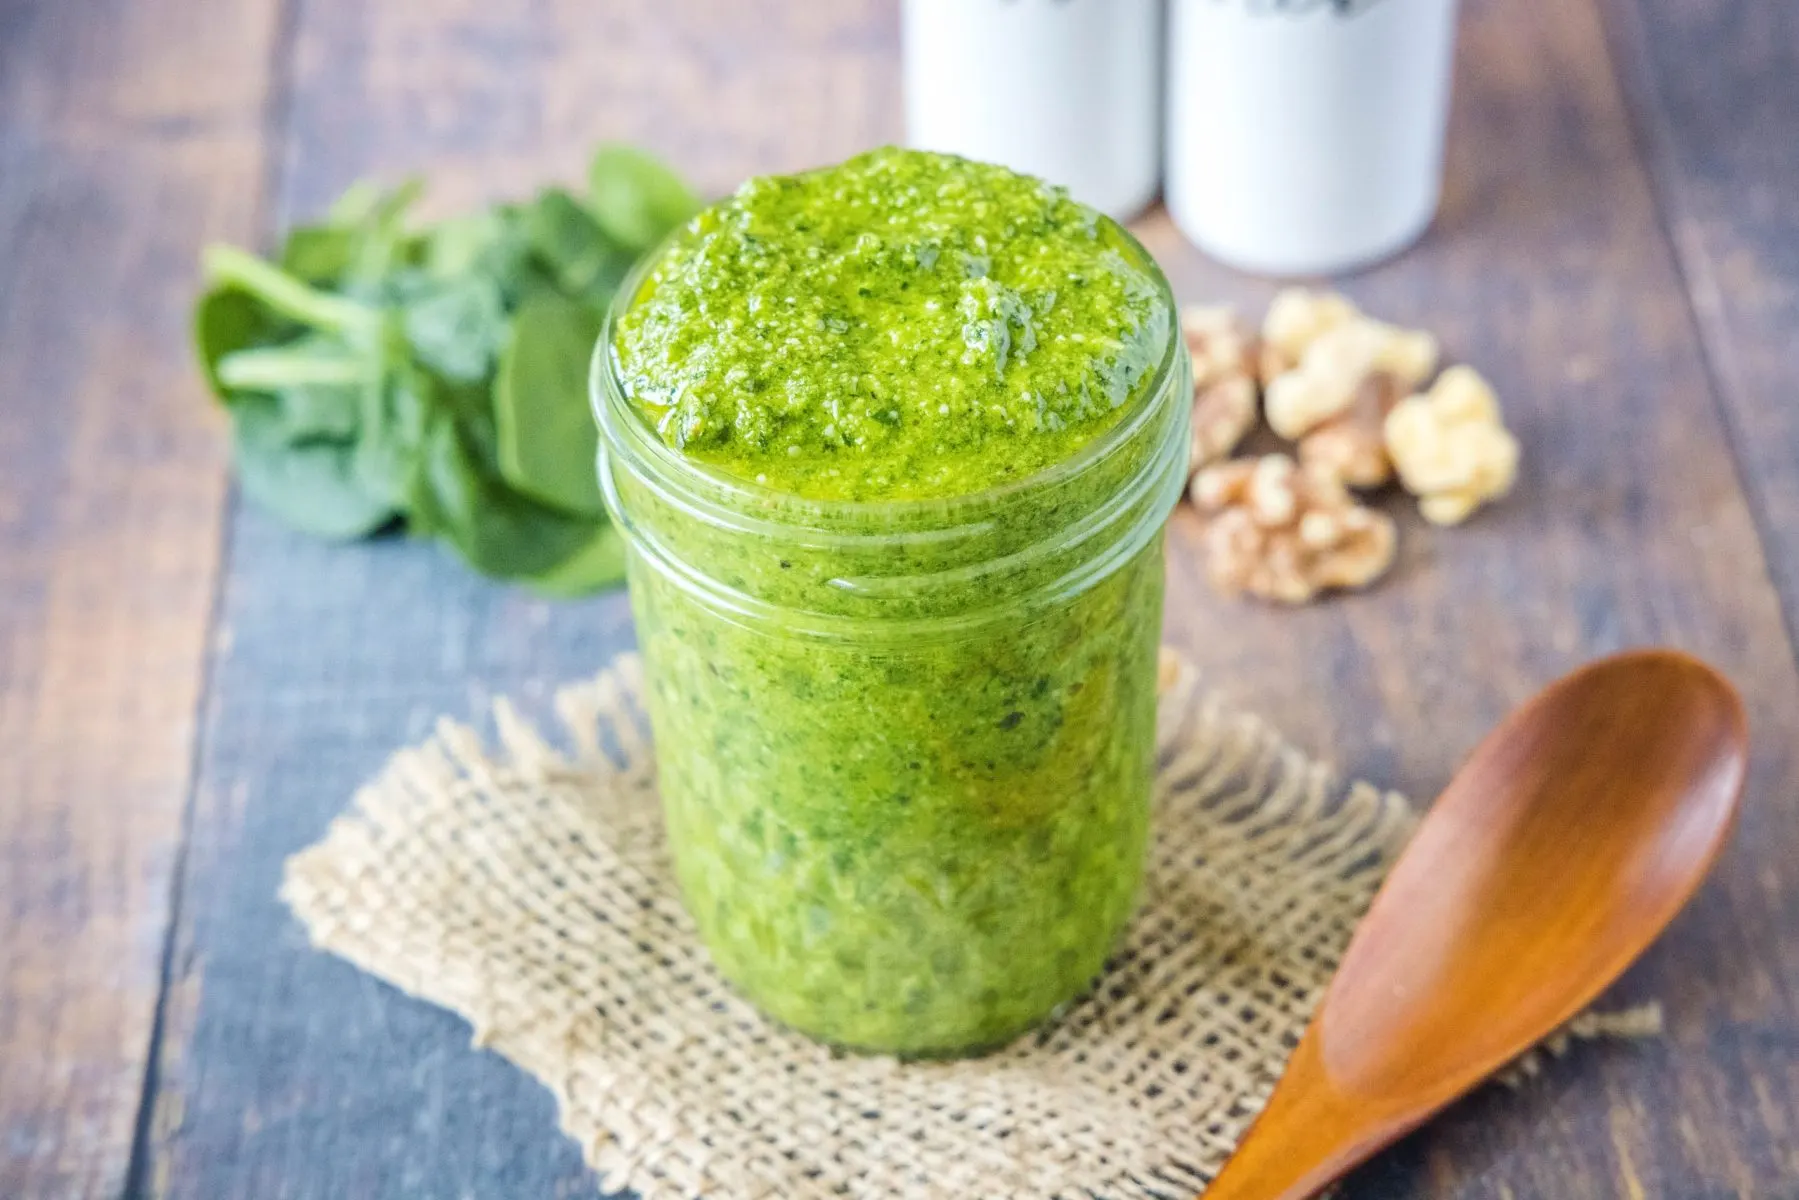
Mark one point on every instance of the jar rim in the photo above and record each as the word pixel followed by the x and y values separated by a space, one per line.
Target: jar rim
pixel 624 427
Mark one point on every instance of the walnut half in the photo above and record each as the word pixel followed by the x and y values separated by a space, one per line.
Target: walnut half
pixel 1225 397
pixel 1319 349
pixel 1450 447
pixel 1282 532
pixel 1352 445
pixel 1295 319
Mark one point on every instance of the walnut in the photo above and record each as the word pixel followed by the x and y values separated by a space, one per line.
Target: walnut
pixel 1222 348
pixel 1407 354
pixel 1334 365
pixel 1295 319
pixel 1324 382
pixel 1218 341
pixel 1282 532
pixel 1352 445
pixel 1451 448
pixel 1223 415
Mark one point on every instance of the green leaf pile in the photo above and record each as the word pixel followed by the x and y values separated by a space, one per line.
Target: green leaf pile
pixel 434 379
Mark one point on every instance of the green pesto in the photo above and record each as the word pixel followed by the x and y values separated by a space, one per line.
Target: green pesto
pixel 902 325
pixel 918 849
pixel 907 776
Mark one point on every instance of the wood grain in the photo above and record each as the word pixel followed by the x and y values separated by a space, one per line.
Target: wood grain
pixel 286 1074
pixel 496 98
pixel 1715 97
pixel 117 160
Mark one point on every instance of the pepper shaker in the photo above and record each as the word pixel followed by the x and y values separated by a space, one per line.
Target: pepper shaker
pixel 1305 137
pixel 1068 90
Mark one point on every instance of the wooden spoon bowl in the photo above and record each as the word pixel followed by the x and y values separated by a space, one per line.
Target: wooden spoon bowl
pixel 1567 842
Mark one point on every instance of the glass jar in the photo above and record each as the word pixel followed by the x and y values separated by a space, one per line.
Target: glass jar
pixel 905 748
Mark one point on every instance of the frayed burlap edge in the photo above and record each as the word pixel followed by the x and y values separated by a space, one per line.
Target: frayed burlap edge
pixel 526 889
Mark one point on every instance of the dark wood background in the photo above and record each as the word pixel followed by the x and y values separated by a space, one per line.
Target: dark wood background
pixel 188 692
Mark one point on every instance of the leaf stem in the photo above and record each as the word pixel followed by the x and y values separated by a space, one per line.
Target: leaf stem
pixel 272 368
pixel 229 266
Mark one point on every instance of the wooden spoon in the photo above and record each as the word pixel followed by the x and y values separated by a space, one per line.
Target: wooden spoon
pixel 1569 840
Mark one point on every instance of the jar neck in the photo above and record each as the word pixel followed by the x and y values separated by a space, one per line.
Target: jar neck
pixel 895 569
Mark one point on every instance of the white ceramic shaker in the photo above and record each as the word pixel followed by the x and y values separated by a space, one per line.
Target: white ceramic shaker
pixel 1069 90
pixel 1305 137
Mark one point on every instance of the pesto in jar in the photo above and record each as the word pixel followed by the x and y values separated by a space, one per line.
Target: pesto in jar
pixel 905 433
pixel 903 325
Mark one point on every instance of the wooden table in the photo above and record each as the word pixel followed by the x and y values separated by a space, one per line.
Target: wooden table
pixel 188 691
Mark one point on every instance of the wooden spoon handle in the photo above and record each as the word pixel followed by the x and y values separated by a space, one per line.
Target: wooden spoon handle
pixel 1306 1138
pixel 1270 1169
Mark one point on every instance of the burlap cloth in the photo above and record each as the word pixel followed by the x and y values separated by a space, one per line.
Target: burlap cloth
pixel 527 889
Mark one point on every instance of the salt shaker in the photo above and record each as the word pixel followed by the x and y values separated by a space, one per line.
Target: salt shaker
pixel 1305 137
pixel 1069 90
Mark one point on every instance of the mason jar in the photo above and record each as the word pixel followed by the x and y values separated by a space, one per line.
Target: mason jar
pixel 904 748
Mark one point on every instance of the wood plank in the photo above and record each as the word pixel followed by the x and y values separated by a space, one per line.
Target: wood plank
pixel 490 99
pixel 117 160
pixel 288 1074
pixel 1715 92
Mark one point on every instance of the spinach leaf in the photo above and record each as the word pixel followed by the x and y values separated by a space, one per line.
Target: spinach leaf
pixel 495 529
pixel 490 243
pixel 547 443
pixel 376 222
pixel 375 370
pixel 393 414
pixel 320 255
pixel 458 327
pixel 597 564
pixel 311 486
pixel 635 198
pixel 580 257
pixel 228 320
pixel 319 412
pixel 471 406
